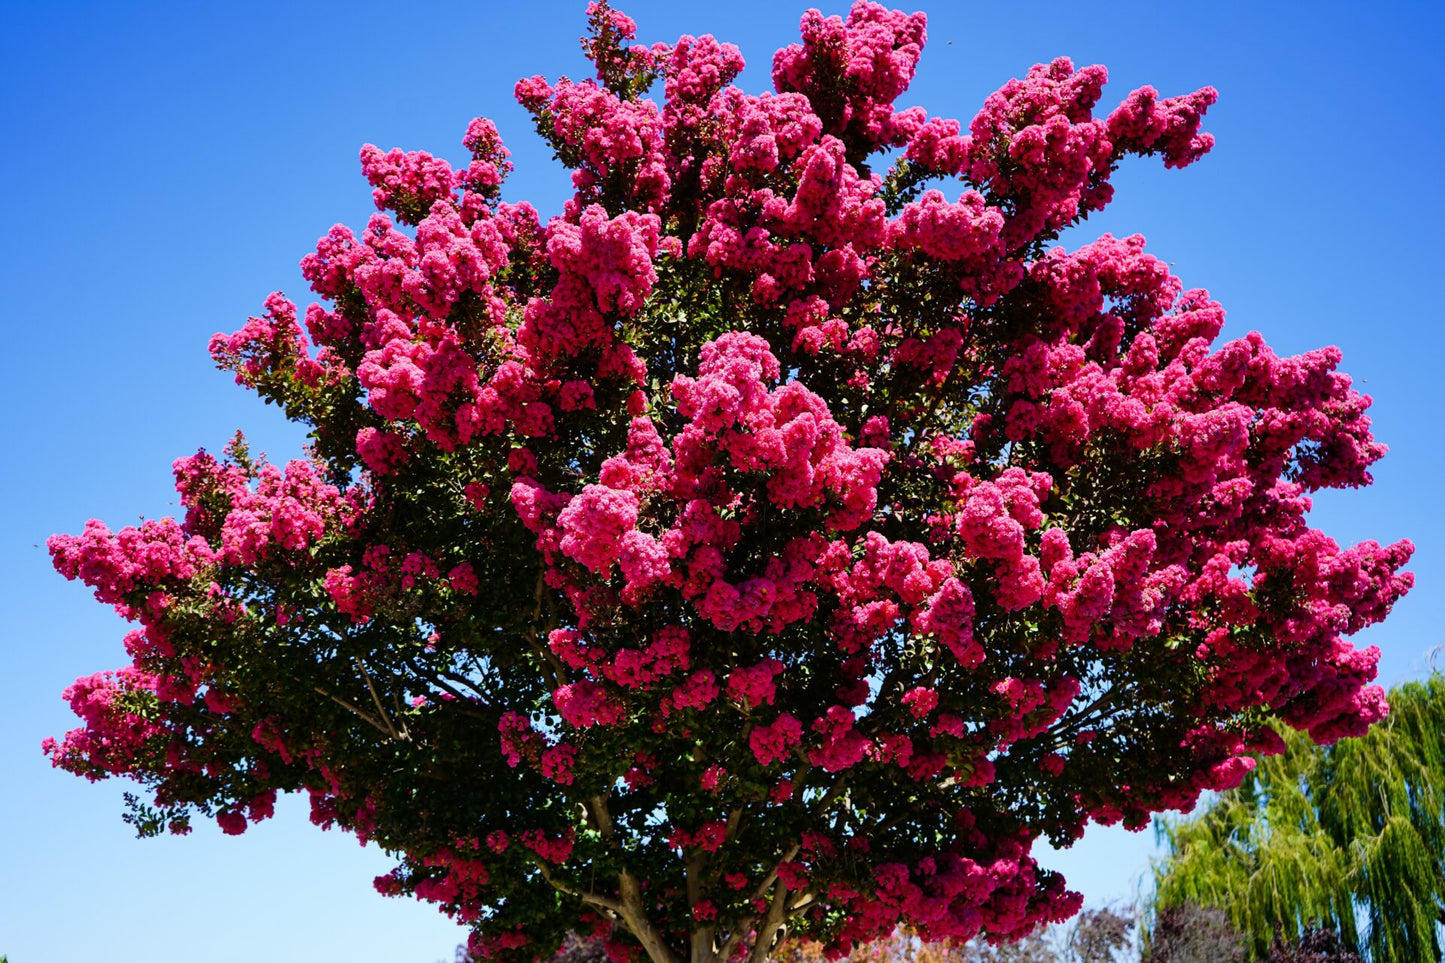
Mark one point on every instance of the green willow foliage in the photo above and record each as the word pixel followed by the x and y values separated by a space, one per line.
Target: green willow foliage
pixel 1351 835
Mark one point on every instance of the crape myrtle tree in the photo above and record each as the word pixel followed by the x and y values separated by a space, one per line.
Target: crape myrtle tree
pixel 778 541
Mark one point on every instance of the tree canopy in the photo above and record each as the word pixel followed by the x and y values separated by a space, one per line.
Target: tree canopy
pixel 1350 835
pixel 770 542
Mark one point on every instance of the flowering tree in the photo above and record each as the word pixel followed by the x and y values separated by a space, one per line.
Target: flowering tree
pixel 771 543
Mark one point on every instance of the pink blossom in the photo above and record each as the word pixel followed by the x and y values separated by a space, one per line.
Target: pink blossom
pixel 584 704
pixel 754 685
pixel 773 743
pixel 594 524
pixel 696 691
pixel 921 701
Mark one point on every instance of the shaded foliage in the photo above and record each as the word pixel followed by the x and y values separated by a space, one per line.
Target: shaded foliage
pixel 1194 934
pixel 1317 945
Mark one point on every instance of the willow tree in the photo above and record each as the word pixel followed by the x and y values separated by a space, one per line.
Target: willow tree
pixel 1350 835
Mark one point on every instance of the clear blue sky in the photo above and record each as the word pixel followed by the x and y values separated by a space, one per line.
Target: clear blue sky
pixel 166 165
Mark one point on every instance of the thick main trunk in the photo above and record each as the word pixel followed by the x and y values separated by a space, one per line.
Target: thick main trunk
pixel 635 916
pixel 770 925
pixel 703 945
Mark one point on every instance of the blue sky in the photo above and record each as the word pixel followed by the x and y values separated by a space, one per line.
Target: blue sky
pixel 168 164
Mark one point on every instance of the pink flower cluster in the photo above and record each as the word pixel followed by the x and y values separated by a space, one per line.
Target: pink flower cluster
pixel 753 685
pixel 269 351
pixel 555 849
pixel 290 509
pixel 117 565
pixel 774 742
pixel 787 433
pixel 586 703
pixel 953 897
pixel 611 142
pixel 114 737
pixel 852 71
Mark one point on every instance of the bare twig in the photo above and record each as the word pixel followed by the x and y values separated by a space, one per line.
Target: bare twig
pixel 381 709
pixel 368 717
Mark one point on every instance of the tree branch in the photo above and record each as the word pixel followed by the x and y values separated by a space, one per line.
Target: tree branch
pixel 636 919
pixel 701 937
pixel 594 899
pixel 767 882
pixel 735 817
pixel 398 736
pixel 439 679
pixel 921 424
pixel 477 690
pixel 743 925
pixel 362 713
pixel 1086 715
pixel 746 924
pixel 603 817
pixel 770 925
pixel 834 791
